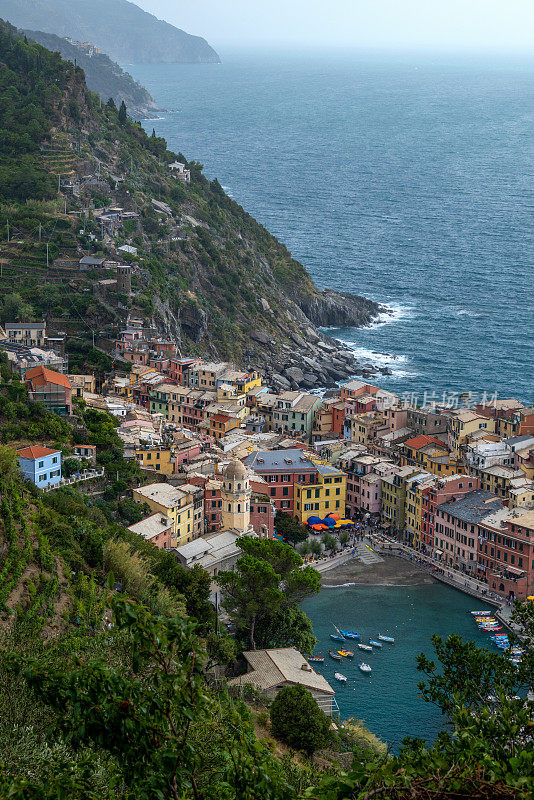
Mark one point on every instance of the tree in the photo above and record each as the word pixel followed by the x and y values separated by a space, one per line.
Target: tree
pixel 122 113
pixel 16 309
pixel 291 529
pixel 329 541
pixel 315 547
pixel 267 580
pixel 9 467
pixel 343 537
pixel 146 717
pixel 297 720
pixel 305 548
pixel 70 466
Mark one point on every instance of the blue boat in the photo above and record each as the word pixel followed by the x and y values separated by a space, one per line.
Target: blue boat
pixel 389 639
pixel 336 638
pixel 350 634
pixel 375 644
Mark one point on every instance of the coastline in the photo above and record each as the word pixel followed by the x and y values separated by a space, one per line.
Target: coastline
pixel 392 571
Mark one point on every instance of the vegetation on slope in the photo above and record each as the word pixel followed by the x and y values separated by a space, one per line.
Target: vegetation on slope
pixel 102 75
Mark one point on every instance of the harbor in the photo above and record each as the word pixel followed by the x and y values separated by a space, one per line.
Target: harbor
pixel 387 698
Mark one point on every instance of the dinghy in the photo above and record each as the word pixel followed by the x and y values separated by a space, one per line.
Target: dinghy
pixel 336 638
pixel 389 639
pixel 346 653
pixel 364 667
pixel 480 613
pixel 366 647
pixel 375 644
pixel 316 659
pixel 334 655
pixel 350 634
pixel 339 677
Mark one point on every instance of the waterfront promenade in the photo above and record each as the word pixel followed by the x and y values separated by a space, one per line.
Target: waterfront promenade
pixel 455 578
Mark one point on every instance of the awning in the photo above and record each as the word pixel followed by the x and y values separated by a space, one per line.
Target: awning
pixel 329 522
pixel 314 521
pixel 515 571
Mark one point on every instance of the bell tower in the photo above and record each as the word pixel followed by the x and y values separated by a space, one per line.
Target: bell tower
pixel 235 495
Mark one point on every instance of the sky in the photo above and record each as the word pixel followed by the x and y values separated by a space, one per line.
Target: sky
pixel 494 25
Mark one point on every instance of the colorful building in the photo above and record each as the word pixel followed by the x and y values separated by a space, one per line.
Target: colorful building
pixel 184 506
pixel 52 389
pixel 40 465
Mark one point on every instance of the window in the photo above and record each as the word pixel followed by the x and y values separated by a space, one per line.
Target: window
pixel 40 464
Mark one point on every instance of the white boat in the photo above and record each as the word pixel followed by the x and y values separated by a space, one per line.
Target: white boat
pixel 481 613
pixel 364 667
pixel 389 639
pixel 365 647
pixel 339 677
pixel 375 644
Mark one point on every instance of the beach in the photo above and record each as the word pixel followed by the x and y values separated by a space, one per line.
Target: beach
pixel 392 571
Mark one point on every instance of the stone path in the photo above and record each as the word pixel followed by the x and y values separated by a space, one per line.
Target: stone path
pixel 366 554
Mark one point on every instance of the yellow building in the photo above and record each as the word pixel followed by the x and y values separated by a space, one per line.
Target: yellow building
pixel 183 506
pixel 159 459
pixel 413 506
pixel 326 495
pixel 394 497
pixel 499 480
pixel 363 427
pixel 243 382
pixel 463 424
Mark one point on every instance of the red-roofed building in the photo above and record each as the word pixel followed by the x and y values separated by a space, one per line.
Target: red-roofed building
pixel 40 465
pixel 50 388
pixel 221 424
pixel 411 449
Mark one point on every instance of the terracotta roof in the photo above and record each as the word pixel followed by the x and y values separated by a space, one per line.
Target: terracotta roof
pixel 420 441
pixel 41 375
pixel 35 451
pixel 220 418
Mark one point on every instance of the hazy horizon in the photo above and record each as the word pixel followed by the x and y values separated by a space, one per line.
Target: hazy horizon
pixel 442 25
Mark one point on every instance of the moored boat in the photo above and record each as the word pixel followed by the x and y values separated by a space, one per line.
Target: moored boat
pixel 346 653
pixel 334 655
pixel 481 613
pixel 389 639
pixel 350 634
pixel 339 677
pixel 316 659
pixel 336 637
pixel 365 647
pixel 364 667
pixel 375 644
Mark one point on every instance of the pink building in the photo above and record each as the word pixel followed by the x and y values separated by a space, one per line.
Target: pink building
pixel 456 529
pixel 441 491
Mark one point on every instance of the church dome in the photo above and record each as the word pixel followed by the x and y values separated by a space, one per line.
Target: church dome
pixel 235 471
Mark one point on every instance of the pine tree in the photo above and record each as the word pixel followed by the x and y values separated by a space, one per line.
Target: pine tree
pixel 122 113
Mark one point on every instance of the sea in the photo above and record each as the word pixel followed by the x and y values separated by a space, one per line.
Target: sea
pixel 407 178
pixel 388 700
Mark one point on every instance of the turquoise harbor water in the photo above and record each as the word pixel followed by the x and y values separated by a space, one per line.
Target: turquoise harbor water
pixel 387 699
pixel 404 178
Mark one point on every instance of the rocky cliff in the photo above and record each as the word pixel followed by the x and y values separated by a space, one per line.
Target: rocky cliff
pixel 205 272
pixel 119 28
pixel 102 74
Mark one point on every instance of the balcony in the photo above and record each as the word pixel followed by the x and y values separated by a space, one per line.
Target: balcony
pixel 78 477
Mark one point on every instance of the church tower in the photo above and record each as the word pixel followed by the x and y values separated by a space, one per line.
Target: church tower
pixel 235 495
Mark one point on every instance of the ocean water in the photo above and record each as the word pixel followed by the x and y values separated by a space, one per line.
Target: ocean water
pixel 387 699
pixel 404 178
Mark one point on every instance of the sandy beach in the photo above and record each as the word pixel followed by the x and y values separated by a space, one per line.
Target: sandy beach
pixel 392 571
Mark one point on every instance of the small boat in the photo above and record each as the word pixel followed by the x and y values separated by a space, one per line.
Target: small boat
pixel 389 639
pixel 480 613
pixel 491 629
pixel 316 659
pixel 364 667
pixel 350 634
pixel 339 677
pixel 347 653
pixel 336 638
pixel 375 644
pixel 334 655
pixel 365 647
